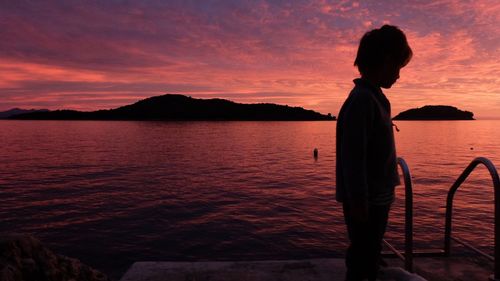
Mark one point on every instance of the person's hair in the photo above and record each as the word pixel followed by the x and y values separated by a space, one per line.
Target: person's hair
pixel 379 44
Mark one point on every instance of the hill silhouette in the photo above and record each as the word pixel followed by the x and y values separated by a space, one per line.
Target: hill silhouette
pixel 17 111
pixel 435 112
pixel 180 107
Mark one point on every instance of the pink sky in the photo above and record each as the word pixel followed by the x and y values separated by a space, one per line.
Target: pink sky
pixel 104 54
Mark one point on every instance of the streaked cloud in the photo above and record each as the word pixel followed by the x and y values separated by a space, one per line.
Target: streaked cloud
pixel 101 54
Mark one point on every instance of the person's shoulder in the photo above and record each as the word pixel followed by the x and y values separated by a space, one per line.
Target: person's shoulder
pixel 360 94
pixel 360 100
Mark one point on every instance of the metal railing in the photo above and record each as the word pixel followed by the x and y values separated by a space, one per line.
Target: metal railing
pixel 408 252
pixel 449 208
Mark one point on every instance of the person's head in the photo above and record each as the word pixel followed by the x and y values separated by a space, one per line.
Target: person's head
pixel 381 54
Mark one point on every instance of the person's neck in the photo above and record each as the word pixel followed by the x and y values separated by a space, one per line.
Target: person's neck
pixel 374 81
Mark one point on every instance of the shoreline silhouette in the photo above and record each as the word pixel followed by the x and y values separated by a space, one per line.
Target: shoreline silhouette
pixel 180 107
pixel 435 112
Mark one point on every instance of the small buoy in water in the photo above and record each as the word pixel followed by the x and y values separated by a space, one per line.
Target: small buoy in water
pixel 315 153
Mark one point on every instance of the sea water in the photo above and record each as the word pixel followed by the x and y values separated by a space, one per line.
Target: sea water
pixel 112 192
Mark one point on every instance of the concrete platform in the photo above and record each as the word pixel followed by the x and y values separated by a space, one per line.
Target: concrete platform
pixel 454 268
pixel 286 270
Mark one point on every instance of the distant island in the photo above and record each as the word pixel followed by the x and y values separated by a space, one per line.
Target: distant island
pixel 180 107
pixel 435 112
pixel 16 111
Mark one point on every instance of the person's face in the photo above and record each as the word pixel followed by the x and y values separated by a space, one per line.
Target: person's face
pixel 389 73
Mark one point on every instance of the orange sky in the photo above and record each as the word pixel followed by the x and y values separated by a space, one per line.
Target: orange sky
pixel 106 54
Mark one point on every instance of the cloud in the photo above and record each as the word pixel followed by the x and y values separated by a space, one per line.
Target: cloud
pixel 298 53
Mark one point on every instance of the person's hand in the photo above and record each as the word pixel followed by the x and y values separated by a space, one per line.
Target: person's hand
pixel 359 210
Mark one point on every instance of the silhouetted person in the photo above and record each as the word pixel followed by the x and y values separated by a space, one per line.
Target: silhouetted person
pixel 366 154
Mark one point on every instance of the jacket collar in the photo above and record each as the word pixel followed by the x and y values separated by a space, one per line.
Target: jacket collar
pixel 377 92
pixel 365 83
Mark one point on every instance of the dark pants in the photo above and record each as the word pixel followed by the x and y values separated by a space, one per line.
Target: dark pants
pixel 363 254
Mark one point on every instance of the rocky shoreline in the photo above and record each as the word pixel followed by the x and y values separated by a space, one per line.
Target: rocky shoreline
pixel 24 258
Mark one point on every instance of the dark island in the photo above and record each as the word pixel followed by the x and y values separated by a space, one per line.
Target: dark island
pixel 435 112
pixel 180 107
pixel 17 111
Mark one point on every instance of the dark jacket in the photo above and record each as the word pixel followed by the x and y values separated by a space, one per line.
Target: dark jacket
pixel 366 153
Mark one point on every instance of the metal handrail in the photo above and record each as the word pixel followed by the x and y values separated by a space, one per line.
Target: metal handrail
pixel 408 254
pixel 449 208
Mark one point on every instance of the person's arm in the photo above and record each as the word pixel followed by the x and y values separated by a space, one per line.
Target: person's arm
pixel 353 150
